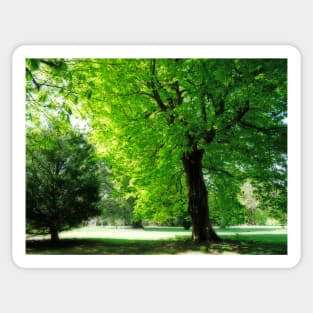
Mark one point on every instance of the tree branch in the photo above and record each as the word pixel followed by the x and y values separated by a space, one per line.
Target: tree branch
pixel 240 114
pixel 262 129
pixel 152 84
pixel 179 93
pixel 209 135
pixel 51 63
pixel 219 170
pixel 33 78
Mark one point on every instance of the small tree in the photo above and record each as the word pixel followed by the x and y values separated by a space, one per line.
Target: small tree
pixel 62 180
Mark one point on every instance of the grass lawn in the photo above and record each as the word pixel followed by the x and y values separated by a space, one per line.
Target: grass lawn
pixel 160 240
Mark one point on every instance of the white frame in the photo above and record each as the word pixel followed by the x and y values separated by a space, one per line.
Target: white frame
pixel 24 260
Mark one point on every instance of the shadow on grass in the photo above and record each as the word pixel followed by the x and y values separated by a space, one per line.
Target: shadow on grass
pixel 109 246
pixel 248 247
pixel 150 247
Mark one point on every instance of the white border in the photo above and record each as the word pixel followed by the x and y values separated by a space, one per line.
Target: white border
pixel 23 260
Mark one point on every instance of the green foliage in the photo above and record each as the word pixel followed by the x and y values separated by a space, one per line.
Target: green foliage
pixel 226 208
pixel 33 64
pixel 145 114
pixel 115 212
pixel 62 179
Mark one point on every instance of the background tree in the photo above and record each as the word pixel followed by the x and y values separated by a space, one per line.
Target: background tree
pixel 226 208
pixel 62 179
pixel 165 123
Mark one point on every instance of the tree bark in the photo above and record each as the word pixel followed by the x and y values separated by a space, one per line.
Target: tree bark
pixel 198 205
pixel 54 234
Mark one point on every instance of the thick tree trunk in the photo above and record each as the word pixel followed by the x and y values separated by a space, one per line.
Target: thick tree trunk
pixel 54 234
pixel 198 206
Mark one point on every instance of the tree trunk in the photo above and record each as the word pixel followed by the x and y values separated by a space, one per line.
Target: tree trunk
pixel 137 224
pixel 54 234
pixel 198 205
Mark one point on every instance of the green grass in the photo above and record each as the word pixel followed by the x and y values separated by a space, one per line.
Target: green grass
pixel 274 235
pixel 161 240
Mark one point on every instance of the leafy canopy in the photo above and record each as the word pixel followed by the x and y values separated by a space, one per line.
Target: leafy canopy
pixel 145 114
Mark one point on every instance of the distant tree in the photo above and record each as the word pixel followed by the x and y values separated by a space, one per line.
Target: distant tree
pixel 248 199
pixel 62 180
pixel 115 212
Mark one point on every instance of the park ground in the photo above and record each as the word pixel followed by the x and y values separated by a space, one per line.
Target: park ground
pixel 97 240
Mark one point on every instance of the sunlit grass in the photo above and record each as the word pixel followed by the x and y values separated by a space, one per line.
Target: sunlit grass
pixel 160 240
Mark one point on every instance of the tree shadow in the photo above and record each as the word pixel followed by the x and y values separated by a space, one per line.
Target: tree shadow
pixel 100 246
pixel 248 247
pixel 108 246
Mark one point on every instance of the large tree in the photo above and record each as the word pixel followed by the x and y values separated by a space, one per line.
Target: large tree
pixel 211 121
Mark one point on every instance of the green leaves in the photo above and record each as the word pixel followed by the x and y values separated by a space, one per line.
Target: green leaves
pixel 33 63
pixel 145 114
pixel 89 93
pixel 62 179
pixel 68 110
